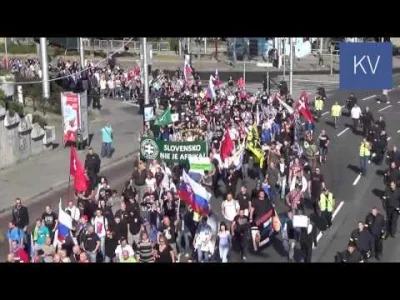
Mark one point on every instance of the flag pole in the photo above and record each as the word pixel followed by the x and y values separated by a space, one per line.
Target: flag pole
pixel 68 188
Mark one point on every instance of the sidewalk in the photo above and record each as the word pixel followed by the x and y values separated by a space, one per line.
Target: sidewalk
pixel 49 171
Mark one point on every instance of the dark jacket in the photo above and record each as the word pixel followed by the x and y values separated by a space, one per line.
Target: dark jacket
pixel 347 257
pixel 392 198
pixel 364 240
pixel 376 225
pixel 20 216
pixel 381 124
pixel 367 118
pixel 92 163
pixel 110 246
pixel 139 177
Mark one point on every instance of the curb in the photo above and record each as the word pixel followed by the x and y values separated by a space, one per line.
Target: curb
pixel 59 186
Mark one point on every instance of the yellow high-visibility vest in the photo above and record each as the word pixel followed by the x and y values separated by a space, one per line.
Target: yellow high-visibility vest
pixel 364 150
pixel 336 110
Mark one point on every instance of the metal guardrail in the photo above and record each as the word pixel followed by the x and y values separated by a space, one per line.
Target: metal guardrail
pixel 115 45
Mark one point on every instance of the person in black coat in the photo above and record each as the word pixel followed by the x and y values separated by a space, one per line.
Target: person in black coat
pixel 231 181
pixel 111 243
pixel 392 205
pixel 367 119
pixel 363 240
pixel 20 215
pixel 351 255
pixel 375 222
pixel 92 163
pixel 308 237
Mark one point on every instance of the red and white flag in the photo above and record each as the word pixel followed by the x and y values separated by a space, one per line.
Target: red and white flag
pixel 227 145
pixel 301 106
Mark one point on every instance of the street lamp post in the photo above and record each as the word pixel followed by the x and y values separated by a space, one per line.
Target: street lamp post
pixel 145 73
pixel 45 68
pixel 291 67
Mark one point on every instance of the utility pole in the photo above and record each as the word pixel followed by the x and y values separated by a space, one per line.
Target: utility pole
pixel 205 45
pixel 180 47
pixel 81 52
pixel 284 58
pixel 45 68
pixel 146 73
pixel 291 67
pixel 321 45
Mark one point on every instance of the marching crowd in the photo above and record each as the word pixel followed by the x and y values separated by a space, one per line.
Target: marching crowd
pixel 263 163
pixel 252 138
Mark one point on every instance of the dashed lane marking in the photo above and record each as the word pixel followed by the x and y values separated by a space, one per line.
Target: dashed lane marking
pixel 357 179
pixel 369 97
pixel 386 107
pixel 389 138
pixel 398 131
pixel 338 208
pixel 343 131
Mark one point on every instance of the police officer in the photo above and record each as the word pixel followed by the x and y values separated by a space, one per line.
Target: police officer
pixel 327 204
pixel 351 101
pixel 379 147
pixel 367 119
pixel 364 240
pixel 319 106
pixel 381 123
pixel 392 205
pixel 392 174
pixel 375 222
pixel 365 153
pixel 351 255
pixel 336 111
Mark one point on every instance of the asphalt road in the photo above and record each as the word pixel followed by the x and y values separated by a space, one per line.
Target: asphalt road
pixel 341 172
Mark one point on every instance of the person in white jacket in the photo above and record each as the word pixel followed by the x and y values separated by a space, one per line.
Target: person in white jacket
pixel 100 226
pixel 75 212
pixel 299 180
pixel 355 116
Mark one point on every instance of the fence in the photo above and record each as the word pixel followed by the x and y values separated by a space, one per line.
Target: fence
pixel 115 45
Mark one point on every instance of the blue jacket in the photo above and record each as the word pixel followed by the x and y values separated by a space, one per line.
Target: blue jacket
pixel 310 126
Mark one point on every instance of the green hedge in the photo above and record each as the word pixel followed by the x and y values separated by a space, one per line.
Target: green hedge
pixel 18 49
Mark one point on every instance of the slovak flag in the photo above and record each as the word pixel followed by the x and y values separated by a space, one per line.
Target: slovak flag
pixel 64 225
pixel 187 70
pixel 301 106
pixel 197 196
pixel 77 170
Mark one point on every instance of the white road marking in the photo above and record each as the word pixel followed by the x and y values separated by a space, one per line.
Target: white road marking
pixel 369 97
pixel 337 209
pixel 343 131
pixel 304 123
pixel 357 179
pixel 132 104
pixel 319 236
pixel 386 107
pixel 398 131
pixel 325 113
pixel 389 138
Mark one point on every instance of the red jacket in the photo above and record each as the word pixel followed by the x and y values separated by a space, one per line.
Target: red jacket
pixel 21 256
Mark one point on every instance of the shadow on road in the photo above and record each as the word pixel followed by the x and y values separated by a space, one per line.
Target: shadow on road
pixel 354 168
